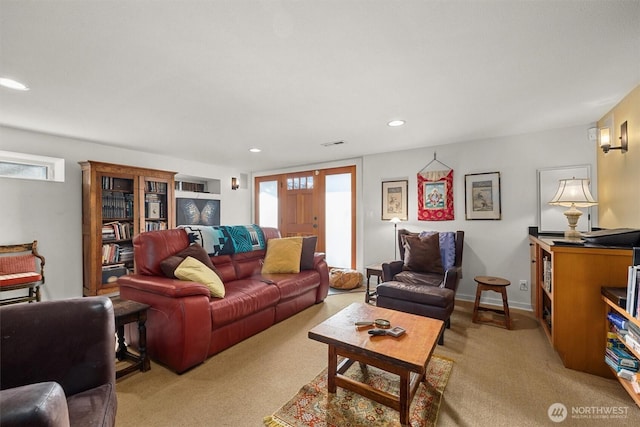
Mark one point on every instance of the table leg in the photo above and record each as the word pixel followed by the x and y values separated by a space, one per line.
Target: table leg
pixel 476 305
pixel 332 369
pixel 505 307
pixel 405 392
pixel 122 345
pixel 366 295
pixel 142 344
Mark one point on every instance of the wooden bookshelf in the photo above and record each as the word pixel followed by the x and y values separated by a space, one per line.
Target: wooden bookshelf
pixel 611 306
pixel 567 298
pixel 119 202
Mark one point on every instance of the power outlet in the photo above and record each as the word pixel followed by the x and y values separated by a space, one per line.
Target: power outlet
pixel 524 286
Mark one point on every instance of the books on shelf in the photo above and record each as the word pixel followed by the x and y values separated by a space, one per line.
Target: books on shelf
pixel 117 205
pixel 633 291
pixel 621 358
pixel 546 273
pixel 113 253
pixel 117 231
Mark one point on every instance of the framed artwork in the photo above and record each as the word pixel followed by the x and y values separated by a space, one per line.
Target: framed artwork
pixel 482 195
pixel 191 211
pixel 435 195
pixel 394 200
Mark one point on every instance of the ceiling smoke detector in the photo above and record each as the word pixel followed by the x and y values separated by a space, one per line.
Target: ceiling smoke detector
pixel 329 144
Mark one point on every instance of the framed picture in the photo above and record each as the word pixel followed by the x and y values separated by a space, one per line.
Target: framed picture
pixel 191 211
pixel 394 200
pixel 482 195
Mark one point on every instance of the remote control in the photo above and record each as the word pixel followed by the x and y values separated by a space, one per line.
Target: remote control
pixel 377 332
pixel 395 331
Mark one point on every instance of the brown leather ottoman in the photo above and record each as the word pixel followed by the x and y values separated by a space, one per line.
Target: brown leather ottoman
pixel 423 300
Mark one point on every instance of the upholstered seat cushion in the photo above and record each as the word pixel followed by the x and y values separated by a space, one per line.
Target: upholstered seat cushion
pixel 418 294
pixel 424 279
pixel 19 278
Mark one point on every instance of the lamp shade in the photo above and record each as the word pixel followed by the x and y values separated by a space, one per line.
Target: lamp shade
pixel 573 192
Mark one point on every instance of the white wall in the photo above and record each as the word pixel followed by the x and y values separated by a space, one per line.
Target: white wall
pixel 498 248
pixel 51 212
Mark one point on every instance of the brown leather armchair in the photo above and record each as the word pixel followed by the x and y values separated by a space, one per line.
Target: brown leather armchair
pixel 423 293
pixel 58 363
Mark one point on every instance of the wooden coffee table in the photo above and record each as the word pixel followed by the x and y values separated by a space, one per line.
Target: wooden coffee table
pixel 406 356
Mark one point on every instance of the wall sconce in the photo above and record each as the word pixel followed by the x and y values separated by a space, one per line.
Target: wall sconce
pixel 234 183
pixel 605 139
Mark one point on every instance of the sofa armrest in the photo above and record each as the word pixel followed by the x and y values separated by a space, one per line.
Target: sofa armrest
pixel 178 323
pixel 170 288
pixel 320 265
pixel 39 404
pixel 452 278
pixel 390 269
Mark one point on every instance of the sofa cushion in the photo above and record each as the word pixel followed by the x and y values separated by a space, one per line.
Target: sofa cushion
pixel 415 278
pixel 308 251
pixel 428 295
pixel 423 254
pixel 291 286
pixel 193 270
pixel 283 255
pixel 447 240
pixel 169 265
pixel 243 298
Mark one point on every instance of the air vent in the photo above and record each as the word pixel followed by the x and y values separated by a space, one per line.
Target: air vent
pixel 329 144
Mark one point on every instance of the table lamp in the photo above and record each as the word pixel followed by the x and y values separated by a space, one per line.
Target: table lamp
pixel 573 193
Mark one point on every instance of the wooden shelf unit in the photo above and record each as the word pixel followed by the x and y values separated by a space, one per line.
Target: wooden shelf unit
pixel 611 306
pixel 570 311
pixel 119 197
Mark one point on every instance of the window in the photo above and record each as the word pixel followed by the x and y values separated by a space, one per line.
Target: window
pixel 29 166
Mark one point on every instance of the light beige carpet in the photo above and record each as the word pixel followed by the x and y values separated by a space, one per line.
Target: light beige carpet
pixel 500 378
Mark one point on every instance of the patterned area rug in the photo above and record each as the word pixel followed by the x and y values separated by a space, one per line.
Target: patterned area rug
pixel 314 406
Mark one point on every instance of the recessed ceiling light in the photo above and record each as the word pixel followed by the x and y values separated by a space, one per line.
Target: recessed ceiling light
pixel 394 123
pixel 255 150
pixel 13 84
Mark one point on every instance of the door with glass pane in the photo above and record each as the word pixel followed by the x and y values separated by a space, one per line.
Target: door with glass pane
pixel 319 202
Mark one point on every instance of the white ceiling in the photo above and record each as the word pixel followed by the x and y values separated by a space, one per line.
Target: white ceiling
pixel 207 80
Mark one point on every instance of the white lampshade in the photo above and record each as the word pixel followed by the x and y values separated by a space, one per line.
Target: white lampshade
pixel 573 192
pixel 395 220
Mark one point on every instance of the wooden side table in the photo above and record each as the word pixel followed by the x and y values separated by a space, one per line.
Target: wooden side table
pixel 125 312
pixel 372 270
pixel 496 284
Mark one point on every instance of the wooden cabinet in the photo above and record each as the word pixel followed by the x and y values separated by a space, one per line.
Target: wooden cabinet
pixel 567 281
pixel 611 306
pixel 118 202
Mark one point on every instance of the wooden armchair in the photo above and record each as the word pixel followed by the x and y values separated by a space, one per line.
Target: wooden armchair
pixel 21 267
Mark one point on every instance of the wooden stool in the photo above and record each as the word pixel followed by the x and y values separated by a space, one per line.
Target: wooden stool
pixel 496 284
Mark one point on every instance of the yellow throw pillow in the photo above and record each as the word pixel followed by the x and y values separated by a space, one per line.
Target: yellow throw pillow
pixel 283 255
pixel 193 270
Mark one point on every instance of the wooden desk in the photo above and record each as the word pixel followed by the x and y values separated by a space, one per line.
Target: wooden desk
pixel 406 356
pixel 125 312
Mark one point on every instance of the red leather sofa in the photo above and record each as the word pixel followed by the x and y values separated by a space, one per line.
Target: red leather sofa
pixel 185 325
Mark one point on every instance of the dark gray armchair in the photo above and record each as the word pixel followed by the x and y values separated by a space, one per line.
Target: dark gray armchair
pixel 58 364
pixel 428 291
